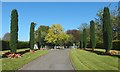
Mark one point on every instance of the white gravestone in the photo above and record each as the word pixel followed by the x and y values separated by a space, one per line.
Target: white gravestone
pixel 35 46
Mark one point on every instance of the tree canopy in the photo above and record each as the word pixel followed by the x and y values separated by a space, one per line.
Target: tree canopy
pixel 56 35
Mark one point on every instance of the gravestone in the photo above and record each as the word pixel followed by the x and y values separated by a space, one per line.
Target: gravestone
pixel 35 46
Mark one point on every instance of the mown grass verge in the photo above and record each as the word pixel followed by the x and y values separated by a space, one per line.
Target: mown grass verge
pixel 85 60
pixel 16 63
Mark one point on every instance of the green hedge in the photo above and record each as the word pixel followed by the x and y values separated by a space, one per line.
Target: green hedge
pixel 116 45
pixel 21 45
pixel 5 45
pixel 100 45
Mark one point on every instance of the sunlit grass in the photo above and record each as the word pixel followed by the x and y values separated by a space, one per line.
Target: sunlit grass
pixel 16 63
pixel 85 60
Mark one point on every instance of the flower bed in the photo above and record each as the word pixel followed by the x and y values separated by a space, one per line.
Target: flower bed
pixel 11 55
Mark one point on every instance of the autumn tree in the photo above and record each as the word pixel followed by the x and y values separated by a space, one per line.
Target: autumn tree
pixel 70 40
pixel 76 35
pixel 53 34
pixel 63 39
pixel 56 35
pixel 14 31
pixel 51 37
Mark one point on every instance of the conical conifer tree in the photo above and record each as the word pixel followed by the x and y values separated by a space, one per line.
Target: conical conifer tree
pixel 14 31
pixel 92 34
pixel 107 30
pixel 84 38
pixel 32 35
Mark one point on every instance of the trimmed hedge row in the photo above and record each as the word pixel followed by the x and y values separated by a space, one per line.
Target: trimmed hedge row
pixel 116 45
pixel 100 45
pixel 21 45
pixel 5 45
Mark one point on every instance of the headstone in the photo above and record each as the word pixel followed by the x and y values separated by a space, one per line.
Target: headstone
pixel 35 46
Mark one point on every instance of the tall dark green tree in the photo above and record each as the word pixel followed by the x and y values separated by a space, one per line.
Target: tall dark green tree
pixel 92 34
pixel 81 40
pixel 14 31
pixel 84 38
pixel 118 28
pixel 107 30
pixel 32 27
pixel 39 39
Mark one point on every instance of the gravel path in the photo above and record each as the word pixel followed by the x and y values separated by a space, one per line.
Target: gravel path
pixel 54 60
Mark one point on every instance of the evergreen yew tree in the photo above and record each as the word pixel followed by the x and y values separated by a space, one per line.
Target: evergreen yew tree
pixel 84 38
pixel 81 40
pixel 32 35
pixel 107 30
pixel 118 28
pixel 39 39
pixel 92 34
pixel 14 31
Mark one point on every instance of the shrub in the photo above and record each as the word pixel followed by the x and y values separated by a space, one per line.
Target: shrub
pixel 100 45
pixel 21 45
pixel 116 45
pixel 5 45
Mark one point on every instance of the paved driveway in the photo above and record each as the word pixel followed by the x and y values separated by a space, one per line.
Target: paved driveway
pixel 54 60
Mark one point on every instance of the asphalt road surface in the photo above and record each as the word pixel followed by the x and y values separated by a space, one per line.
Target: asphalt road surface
pixel 54 60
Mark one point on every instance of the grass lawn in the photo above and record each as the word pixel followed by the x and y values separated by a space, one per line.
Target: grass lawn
pixel 16 63
pixel 0 64
pixel 85 60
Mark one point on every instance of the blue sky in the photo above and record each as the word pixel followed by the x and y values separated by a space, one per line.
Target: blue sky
pixel 69 14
